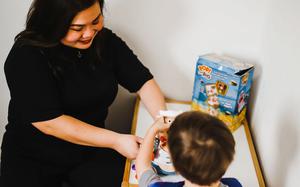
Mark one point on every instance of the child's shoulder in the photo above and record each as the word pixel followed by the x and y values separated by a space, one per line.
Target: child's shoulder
pixel 167 184
pixel 231 182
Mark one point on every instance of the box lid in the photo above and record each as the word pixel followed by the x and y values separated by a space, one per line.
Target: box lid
pixel 225 63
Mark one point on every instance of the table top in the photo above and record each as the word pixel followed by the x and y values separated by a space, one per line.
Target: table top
pixel 245 166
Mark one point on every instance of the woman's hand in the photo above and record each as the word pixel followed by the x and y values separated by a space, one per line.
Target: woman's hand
pixel 128 145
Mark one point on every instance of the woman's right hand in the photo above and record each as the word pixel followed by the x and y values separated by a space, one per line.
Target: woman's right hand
pixel 128 145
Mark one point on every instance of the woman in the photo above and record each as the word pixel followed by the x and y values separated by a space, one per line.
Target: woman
pixel 63 73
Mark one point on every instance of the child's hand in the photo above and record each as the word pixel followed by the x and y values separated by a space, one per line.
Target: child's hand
pixel 161 125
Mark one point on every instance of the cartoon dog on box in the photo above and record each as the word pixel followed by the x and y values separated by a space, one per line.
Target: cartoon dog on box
pixel 221 87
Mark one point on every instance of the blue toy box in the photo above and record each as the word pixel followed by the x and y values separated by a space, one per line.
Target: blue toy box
pixel 222 87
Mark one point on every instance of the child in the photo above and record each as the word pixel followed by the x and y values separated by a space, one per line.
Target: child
pixel 201 148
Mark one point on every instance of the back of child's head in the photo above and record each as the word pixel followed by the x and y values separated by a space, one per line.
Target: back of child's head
pixel 201 147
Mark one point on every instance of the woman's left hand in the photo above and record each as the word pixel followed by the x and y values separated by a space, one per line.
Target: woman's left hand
pixel 128 145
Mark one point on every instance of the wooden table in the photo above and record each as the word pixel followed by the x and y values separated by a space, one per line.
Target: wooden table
pixel 245 166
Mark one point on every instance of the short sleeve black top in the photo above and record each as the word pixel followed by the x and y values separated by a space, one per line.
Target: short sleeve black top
pixel 45 83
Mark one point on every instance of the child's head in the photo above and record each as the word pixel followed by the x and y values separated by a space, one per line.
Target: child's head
pixel 201 147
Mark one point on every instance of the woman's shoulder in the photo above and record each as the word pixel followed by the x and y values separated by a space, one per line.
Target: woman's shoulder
pixel 109 36
pixel 23 53
pixel 106 32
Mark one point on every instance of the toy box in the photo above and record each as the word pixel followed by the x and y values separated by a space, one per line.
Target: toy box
pixel 222 87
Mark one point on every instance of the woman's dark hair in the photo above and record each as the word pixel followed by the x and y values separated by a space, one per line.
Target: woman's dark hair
pixel 48 21
pixel 201 147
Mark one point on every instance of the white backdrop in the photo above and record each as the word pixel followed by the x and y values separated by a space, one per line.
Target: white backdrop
pixel 168 35
pixel 12 21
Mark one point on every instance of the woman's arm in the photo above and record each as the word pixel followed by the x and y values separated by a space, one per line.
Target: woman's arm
pixel 75 131
pixel 152 97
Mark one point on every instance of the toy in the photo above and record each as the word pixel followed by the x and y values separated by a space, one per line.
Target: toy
pixel 161 160
pixel 222 87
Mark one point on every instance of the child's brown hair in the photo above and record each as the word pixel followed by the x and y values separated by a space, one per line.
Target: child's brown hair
pixel 201 147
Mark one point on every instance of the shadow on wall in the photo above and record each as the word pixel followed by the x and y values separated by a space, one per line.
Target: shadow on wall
pixel 287 144
pixel 254 91
pixel 121 112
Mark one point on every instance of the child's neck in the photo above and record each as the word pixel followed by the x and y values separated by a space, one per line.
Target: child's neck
pixel 189 184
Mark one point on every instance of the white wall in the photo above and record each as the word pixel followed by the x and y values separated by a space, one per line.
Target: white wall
pixel 275 121
pixel 12 21
pixel 168 36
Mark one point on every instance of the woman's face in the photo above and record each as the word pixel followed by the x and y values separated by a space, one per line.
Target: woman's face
pixel 84 27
